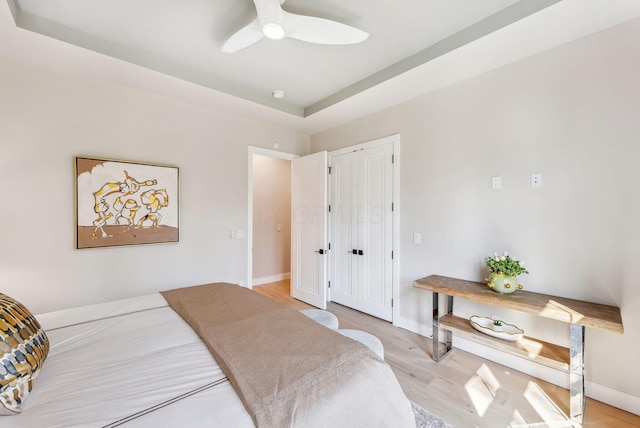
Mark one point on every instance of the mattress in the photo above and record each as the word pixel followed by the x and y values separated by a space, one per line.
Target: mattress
pixel 130 363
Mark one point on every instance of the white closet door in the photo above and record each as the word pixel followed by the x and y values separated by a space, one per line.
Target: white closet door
pixel 343 229
pixel 309 229
pixel 361 219
pixel 376 237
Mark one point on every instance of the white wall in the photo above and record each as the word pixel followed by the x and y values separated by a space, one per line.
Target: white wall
pixel 571 114
pixel 47 117
pixel 271 207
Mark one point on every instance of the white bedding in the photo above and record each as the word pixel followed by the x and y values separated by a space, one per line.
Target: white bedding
pixel 131 363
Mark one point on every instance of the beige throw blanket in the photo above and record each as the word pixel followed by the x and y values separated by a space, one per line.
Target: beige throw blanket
pixel 289 370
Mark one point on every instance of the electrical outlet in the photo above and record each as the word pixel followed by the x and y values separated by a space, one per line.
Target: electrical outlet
pixel 536 180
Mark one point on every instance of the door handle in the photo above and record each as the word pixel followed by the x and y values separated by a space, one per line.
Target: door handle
pixel 321 251
pixel 354 251
pixel 360 253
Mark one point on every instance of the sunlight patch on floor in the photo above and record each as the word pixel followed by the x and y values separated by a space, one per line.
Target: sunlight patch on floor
pixel 549 412
pixel 482 389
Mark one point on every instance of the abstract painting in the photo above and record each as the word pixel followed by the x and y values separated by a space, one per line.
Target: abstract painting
pixel 125 203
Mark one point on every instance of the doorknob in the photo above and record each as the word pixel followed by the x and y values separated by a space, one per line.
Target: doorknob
pixel 360 253
pixel 321 251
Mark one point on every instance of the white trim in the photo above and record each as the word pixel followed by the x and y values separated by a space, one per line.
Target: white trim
pixel 366 145
pixel 271 278
pixel 593 390
pixel 414 326
pixel 556 377
pixel 612 397
pixel 396 228
pixel 264 152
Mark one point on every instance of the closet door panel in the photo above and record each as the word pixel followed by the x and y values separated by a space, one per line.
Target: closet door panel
pixel 376 195
pixel 343 230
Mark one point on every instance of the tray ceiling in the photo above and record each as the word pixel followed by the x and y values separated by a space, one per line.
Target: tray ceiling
pixel 324 85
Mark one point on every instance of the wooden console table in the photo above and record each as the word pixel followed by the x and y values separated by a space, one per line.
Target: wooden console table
pixel 578 314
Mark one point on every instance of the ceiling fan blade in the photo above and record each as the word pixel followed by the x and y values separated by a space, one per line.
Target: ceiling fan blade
pixel 243 38
pixel 321 31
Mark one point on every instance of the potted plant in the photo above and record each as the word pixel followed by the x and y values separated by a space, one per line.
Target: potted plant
pixel 504 270
pixel 497 325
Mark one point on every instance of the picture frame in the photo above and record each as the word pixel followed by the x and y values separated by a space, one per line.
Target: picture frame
pixel 122 203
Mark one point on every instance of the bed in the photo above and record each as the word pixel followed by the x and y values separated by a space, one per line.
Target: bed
pixel 138 363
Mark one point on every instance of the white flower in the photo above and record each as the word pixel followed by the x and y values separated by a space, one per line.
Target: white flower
pixel 503 258
pixel 497 258
pixel 506 254
pixel 495 254
pixel 522 264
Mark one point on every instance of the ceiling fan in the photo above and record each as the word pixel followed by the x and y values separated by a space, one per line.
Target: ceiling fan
pixel 275 23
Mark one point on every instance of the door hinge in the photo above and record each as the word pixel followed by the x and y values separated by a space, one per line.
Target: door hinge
pixel 393 158
pixel 329 284
pixel 392 303
pixel 329 170
pixel 329 245
pixel 391 255
pixel 391 206
pixel 329 208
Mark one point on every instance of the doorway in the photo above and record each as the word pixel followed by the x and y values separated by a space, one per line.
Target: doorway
pixel 391 271
pixel 268 227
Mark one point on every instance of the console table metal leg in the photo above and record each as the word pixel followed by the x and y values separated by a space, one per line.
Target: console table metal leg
pixel 437 352
pixel 576 373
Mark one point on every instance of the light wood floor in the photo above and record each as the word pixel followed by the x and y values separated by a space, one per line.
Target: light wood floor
pixel 464 389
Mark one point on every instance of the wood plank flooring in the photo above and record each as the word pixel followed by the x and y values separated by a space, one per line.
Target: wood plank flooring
pixel 464 389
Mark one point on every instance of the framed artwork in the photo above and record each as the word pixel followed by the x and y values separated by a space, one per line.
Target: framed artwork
pixel 125 203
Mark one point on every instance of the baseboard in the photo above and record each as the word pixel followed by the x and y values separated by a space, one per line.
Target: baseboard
pixel 413 326
pixel 612 397
pixel 521 364
pixel 272 278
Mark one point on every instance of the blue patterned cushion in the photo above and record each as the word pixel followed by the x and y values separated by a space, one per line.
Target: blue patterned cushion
pixel 23 349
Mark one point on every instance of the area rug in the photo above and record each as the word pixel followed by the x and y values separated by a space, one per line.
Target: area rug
pixel 424 419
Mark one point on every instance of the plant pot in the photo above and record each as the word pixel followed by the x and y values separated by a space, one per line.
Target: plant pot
pixel 496 327
pixel 502 283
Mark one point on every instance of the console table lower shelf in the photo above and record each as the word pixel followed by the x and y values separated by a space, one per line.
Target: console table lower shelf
pixel 578 314
pixel 542 352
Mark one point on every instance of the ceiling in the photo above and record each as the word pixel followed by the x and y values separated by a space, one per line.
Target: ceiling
pixel 413 46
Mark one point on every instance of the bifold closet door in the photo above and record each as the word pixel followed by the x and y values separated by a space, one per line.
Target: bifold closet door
pixel 361 230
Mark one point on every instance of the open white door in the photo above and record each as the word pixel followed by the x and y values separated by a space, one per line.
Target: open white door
pixel 309 229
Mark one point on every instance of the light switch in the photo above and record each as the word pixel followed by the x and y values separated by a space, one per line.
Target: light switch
pixel 496 182
pixel 417 238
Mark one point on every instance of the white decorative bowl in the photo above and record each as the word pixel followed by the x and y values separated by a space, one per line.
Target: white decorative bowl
pixel 507 331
